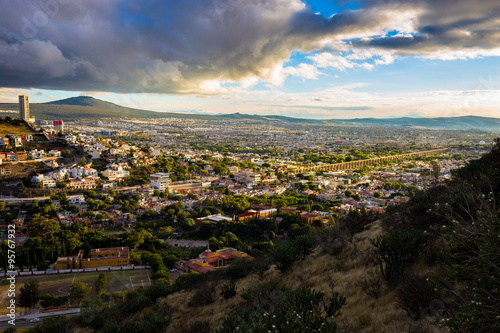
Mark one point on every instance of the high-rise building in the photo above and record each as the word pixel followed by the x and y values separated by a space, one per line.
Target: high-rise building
pixel 58 125
pixel 24 108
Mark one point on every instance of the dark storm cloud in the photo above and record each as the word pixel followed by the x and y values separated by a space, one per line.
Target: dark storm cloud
pixel 189 46
pixel 443 26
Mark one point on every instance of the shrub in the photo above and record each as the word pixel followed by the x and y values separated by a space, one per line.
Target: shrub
pixel 416 296
pixel 293 311
pixel 158 290
pixel 228 290
pixel 333 240
pixel 163 275
pixel 395 249
pixel 370 285
pixel 203 296
pixel 305 244
pixel 239 269
pixel 259 266
pixel 188 280
pixel 284 255
pixel 198 326
pixel 264 296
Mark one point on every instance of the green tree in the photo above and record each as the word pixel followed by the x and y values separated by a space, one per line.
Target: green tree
pixel 305 244
pixel 137 238
pixel 284 255
pixel 188 224
pixel 29 295
pixel 436 170
pixel 41 226
pixel 79 291
pixel 235 204
pixel 101 285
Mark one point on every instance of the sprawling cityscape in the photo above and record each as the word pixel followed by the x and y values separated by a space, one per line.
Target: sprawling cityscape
pixel 228 166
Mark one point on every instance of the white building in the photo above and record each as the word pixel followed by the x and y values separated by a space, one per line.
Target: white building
pixel 71 139
pixel 76 200
pixel 54 153
pixel 81 172
pixel 115 171
pixel 160 181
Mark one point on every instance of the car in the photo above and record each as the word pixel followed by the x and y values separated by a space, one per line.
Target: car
pixel 173 270
pixel 34 320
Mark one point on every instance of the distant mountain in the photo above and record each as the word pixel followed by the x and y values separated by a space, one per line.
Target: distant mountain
pixel 84 107
pixel 453 123
pixel 271 118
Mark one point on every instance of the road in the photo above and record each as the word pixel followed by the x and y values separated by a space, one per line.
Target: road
pixel 24 321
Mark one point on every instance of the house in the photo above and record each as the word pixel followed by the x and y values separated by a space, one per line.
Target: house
pixel 209 261
pixel 80 171
pixel 48 183
pixel 81 183
pixel 71 139
pixel 37 154
pixel 76 200
pixel 248 177
pixel 111 256
pixel 116 171
pixel 54 153
pixel 18 142
pixel 12 157
pixel 22 155
pixel 233 169
pixel 27 137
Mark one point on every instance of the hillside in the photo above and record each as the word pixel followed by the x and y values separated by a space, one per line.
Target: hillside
pixel 343 273
pixel 14 127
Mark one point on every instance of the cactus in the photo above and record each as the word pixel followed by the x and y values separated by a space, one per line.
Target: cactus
pixel 229 290
pixel 395 249
pixel 334 304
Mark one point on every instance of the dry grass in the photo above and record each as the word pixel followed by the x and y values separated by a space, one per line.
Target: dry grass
pixel 6 128
pixel 363 314
pixel 214 313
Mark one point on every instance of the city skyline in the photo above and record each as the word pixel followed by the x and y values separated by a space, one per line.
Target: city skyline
pixel 309 59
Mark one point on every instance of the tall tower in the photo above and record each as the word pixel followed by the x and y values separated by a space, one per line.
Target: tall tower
pixel 24 108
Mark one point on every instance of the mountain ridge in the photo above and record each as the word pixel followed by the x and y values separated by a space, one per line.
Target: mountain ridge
pixel 89 107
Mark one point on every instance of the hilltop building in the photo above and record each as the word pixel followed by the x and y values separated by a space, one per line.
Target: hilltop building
pixel 111 256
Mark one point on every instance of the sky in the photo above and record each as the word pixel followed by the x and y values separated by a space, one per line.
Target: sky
pixel 320 59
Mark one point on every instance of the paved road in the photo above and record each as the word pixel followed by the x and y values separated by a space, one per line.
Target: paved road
pixel 24 321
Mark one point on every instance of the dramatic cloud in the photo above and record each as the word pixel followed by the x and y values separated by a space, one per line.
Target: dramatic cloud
pixel 224 46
